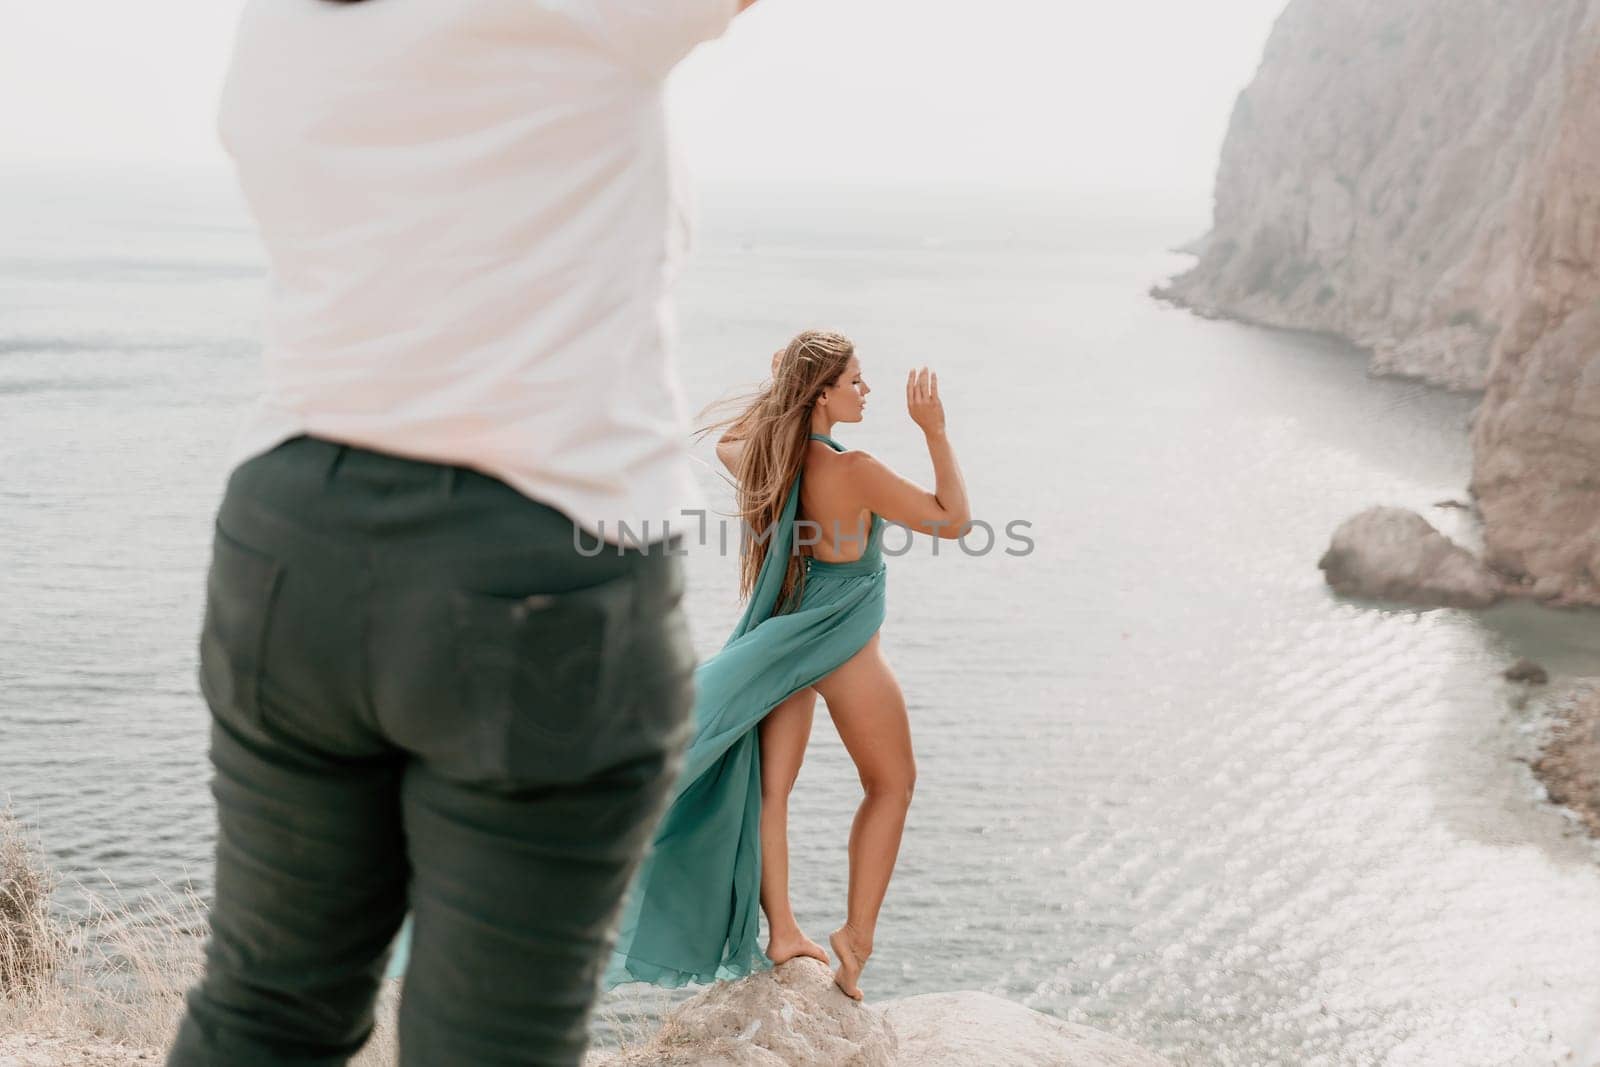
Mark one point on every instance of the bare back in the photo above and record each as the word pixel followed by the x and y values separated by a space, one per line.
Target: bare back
pixel 831 500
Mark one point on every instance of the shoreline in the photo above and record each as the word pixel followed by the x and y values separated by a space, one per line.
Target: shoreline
pixel 1165 292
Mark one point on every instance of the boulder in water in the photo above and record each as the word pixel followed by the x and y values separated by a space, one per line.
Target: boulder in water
pixel 1525 670
pixel 1387 553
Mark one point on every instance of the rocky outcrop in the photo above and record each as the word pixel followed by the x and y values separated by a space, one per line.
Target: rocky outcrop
pixel 1422 177
pixel 1569 766
pixel 1394 554
pixel 1388 174
pixel 1526 672
pixel 790 1016
pixel 1536 462
pixel 971 1027
pixel 1536 440
pixel 794 1016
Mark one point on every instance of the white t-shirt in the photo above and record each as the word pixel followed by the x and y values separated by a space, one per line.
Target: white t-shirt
pixel 472 219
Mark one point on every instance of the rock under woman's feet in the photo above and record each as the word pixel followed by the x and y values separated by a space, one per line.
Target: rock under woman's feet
pixel 782 949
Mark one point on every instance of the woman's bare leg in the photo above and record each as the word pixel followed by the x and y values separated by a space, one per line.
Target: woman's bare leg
pixel 784 732
pixel 869 712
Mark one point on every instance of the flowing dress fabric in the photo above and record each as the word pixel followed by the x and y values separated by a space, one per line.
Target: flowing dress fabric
pixel 691 913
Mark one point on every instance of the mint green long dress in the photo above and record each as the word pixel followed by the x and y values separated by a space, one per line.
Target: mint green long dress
pixel 691 913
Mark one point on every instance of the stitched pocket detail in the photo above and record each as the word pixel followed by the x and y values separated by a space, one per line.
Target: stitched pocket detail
pixel 241 586
pixel 540 673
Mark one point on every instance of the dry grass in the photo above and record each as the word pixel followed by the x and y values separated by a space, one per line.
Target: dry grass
pixel 29 945
pixel 116 974
pixel 636 1030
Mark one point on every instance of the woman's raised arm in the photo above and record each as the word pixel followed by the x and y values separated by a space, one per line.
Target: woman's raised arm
pixel 945 512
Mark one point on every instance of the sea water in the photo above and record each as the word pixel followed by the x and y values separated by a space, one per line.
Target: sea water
pixel 1168 786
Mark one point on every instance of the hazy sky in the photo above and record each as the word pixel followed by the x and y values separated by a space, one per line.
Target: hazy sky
pixel 1097 96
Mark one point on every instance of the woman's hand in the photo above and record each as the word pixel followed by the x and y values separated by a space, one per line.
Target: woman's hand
pixel 922 400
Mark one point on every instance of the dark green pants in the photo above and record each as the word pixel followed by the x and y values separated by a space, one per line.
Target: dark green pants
pixel 424 693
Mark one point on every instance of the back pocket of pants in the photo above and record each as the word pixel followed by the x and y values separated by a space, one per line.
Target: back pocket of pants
pixel 540 673
pixel 240 587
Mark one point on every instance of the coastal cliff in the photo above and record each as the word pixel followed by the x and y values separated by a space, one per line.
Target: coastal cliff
pixel 1423 178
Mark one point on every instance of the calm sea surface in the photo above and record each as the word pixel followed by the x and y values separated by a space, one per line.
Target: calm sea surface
pixel 1168 786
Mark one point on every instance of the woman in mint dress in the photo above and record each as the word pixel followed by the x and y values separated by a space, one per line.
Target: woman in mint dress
pixel 815 579
pixel 814 576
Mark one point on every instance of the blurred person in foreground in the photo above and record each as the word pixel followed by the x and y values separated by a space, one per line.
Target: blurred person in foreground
pixel 443 647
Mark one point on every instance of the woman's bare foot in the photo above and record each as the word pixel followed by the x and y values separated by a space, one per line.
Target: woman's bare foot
pixel 851 960
pixel 787 946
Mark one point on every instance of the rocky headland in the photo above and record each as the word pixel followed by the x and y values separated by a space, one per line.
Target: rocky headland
pixel 790 1016
pixel 1423 179
pixel 58 1010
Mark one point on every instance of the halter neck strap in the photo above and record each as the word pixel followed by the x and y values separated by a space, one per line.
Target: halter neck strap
pixel 835 445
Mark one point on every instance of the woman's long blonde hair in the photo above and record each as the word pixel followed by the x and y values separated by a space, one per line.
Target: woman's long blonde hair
pixel 775 424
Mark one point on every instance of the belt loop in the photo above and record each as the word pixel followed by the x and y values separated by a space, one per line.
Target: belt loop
pixel 339 452
pixel 452 481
